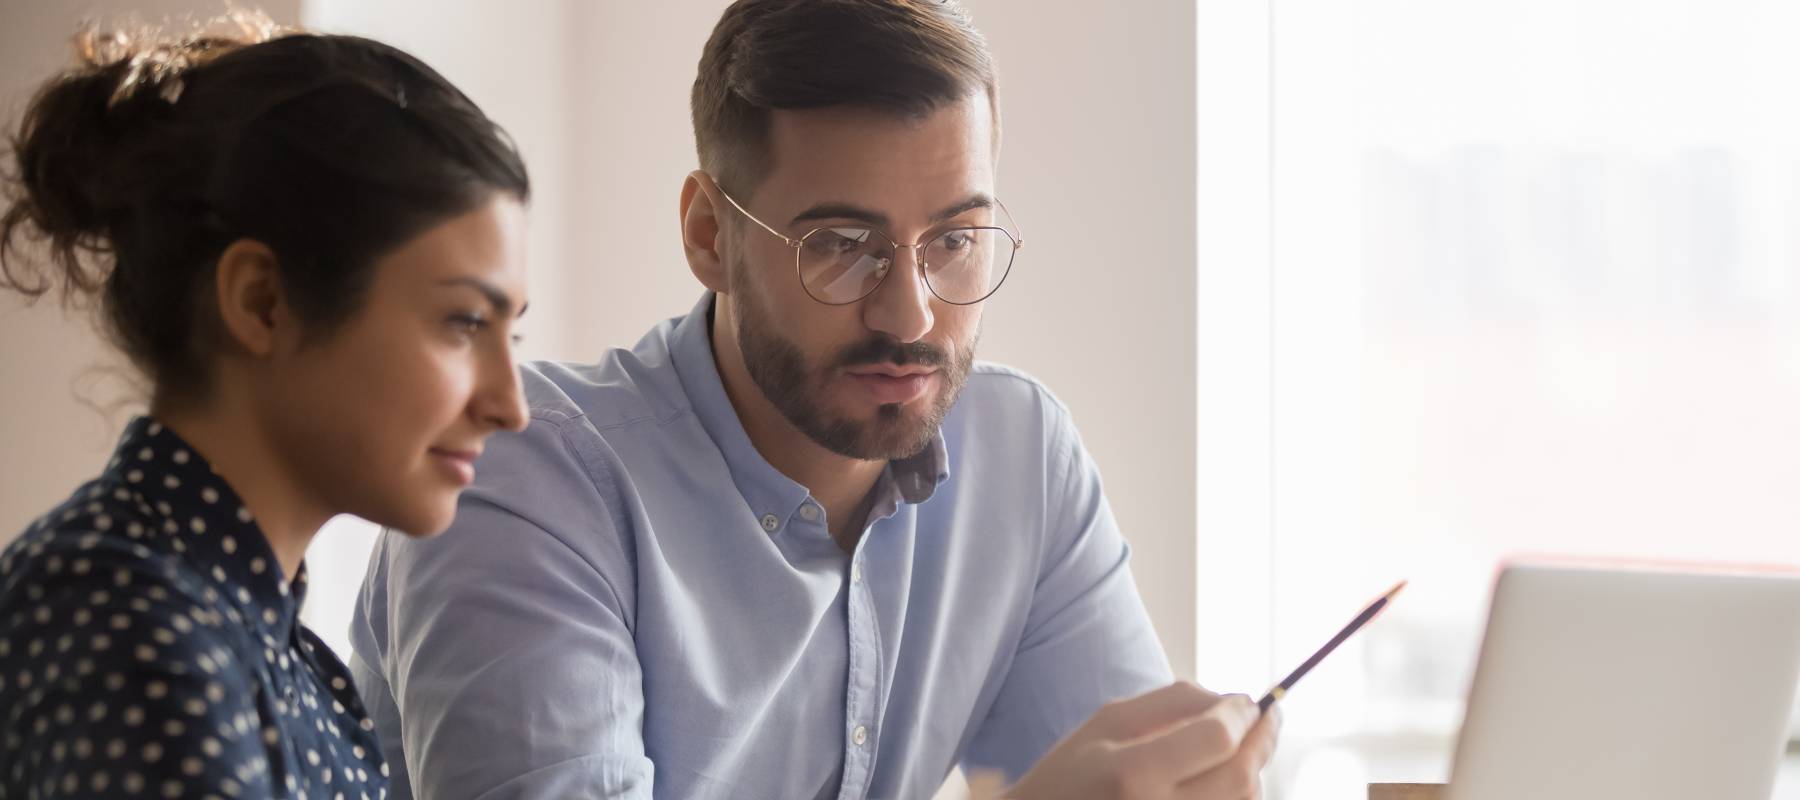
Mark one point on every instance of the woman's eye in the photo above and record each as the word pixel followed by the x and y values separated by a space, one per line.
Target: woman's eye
pixel 468 324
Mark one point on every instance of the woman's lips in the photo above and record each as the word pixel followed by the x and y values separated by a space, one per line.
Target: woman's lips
pixel 458 465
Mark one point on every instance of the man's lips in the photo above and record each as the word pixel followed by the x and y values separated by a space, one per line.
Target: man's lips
pixel 892 370
pixel 889 385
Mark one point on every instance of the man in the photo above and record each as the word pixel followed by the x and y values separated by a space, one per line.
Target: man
pixel 797 543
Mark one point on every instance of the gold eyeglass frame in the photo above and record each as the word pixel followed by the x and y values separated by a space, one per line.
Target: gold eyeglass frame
pixel 1018 243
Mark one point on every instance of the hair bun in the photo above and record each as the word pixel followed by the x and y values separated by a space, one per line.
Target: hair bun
pixel 65 152
pixel 74 156
pixel 156 58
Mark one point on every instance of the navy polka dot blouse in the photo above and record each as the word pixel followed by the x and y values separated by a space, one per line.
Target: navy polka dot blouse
pixel 150 648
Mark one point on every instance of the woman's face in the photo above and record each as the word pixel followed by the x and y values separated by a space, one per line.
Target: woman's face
pixel 384 417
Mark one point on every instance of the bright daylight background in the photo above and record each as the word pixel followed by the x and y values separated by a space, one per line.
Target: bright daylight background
pixel 1515 278
pixel 1472 279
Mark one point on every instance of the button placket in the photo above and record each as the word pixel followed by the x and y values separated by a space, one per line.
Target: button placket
pixel 860 706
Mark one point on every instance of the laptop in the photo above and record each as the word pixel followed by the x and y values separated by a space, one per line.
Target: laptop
pixel 1641 682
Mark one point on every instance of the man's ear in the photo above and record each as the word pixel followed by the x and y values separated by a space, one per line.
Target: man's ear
pixel 701 231
pixel 252 306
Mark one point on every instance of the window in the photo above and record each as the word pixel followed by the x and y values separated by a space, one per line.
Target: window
pixel 1488 279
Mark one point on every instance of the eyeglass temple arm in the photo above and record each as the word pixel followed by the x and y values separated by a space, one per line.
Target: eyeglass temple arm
pixel 1018 243
pixel 794 243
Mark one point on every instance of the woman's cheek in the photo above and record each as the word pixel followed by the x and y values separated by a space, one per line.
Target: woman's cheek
pixel 445 382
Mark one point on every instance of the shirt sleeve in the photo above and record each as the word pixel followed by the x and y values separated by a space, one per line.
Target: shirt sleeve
pixel 118 684
pixel 1087 639
pixel 508 654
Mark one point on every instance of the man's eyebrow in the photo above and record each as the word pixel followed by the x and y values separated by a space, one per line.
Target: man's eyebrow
pixel 496 298
pixel 834 210
pixel 976 200
pixel 837 210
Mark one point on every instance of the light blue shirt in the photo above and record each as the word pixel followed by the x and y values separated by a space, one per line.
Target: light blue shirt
pixel 632 602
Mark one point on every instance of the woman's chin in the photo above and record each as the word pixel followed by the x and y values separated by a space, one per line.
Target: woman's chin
pixel 425 517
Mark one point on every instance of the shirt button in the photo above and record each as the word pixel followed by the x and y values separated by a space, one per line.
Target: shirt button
pixel 810 512
pixel 770 523
pixel 860 736
pixel 856 572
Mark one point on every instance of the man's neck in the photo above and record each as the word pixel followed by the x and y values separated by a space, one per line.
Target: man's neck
pixel 236 448
pixel 840 484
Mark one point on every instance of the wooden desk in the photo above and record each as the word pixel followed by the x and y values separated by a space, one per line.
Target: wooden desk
pixel 1406 791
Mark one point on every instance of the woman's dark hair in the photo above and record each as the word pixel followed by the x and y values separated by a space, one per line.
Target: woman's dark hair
pixel 138 170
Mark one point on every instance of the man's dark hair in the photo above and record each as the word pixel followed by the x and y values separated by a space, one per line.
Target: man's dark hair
pixel 909 57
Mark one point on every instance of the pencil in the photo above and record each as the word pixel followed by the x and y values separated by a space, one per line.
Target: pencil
pixel 1280 690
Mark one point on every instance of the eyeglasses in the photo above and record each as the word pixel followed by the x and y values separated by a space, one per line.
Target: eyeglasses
pixel 843 263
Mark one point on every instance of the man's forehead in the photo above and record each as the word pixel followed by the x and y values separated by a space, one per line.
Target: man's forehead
pixel 864 155
pixel 975 108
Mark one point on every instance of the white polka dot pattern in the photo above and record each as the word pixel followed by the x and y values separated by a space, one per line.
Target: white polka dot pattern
pixel 149 648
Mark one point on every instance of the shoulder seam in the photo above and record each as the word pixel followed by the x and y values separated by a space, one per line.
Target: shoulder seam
pixel 589 470
pixel 659 419
pixel 988 368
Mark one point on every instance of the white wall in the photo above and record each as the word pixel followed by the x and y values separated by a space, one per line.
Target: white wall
pixel 1098 165
pixel 1098 168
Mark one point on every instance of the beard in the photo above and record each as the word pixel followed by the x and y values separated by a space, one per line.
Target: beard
pixel 797 388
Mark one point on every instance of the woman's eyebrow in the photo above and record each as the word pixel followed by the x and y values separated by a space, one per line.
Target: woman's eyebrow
pixel 502 304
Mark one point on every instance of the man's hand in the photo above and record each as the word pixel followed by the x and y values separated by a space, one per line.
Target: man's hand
pixel 1180 741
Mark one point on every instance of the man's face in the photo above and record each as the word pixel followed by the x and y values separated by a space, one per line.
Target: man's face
pixel 871 379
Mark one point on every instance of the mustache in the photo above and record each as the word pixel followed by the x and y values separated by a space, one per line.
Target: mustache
pixel 882 349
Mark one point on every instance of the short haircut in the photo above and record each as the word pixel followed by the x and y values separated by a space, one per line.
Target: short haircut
pixel 909 57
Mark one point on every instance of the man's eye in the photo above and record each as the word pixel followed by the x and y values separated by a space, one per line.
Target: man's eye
pixel 839 241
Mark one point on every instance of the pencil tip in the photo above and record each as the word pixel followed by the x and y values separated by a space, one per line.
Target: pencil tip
pixel 1396 590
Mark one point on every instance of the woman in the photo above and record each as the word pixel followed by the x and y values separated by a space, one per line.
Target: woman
pixel 311 246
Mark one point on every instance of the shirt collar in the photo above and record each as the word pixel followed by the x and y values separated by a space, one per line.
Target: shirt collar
pixel 917 477
pixel 199 517
pixel 769 492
